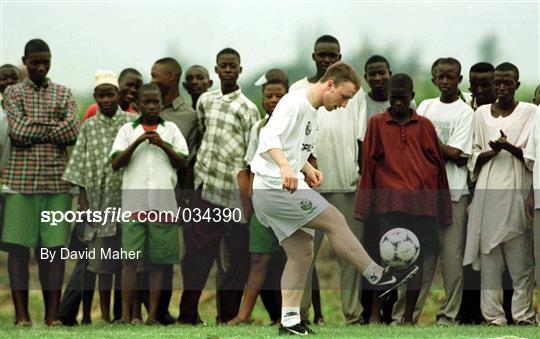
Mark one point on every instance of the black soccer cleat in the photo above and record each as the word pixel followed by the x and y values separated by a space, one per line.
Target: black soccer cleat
pixel 305 324
pixel 298 329
pixel 392 279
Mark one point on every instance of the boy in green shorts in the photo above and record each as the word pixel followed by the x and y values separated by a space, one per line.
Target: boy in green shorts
pixel 42 123
pixel 151 150
pixel 100 187
pixel 262 240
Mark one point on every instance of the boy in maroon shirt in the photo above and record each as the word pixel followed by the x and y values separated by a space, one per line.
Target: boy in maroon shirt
pixel 404 179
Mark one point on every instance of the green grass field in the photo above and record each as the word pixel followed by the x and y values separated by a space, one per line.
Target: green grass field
pixel 335 327
pixel 253 331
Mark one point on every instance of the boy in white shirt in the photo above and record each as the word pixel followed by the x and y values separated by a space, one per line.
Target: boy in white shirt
pixel 151 150
pixel 498 231
pixel 281 164
pixel 454 122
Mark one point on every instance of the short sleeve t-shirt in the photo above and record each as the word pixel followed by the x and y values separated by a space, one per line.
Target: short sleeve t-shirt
pixel 293 129
pixel 149 179
pixel 336 148
pixel 454 123
pixel 300 84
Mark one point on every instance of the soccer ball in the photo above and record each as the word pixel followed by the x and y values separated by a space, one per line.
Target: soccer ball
pixel 399 248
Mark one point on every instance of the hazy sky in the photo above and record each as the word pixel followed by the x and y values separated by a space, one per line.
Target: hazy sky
pixel 88 35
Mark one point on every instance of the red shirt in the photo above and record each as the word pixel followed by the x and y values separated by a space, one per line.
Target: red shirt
pixel 403 170
pixel 92 110
pixel 149 128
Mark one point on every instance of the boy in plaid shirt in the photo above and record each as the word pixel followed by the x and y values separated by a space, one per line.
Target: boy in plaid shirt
pixel 42 121
pixel 100 187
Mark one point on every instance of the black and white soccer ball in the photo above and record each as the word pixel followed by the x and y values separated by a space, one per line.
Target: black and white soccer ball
pixel 399 248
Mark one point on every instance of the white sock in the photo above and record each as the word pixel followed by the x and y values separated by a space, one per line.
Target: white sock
pixel 290 316
pixel 373 273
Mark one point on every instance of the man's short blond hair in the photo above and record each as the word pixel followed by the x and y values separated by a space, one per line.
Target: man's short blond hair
pixel 341 72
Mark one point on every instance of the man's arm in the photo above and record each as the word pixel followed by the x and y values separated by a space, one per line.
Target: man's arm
pixel 313 176
pixel 289 178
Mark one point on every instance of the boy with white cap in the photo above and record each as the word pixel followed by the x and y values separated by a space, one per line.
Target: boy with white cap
pixel 100 186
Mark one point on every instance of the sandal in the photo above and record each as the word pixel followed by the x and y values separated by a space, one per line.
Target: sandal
pixel 136 321
pixel 54 323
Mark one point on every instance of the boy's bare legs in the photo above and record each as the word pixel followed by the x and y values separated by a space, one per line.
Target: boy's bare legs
pixel 157 273
pixel 51 276
pixel 141 296
pixel 129 282
pixel 89 283
pixel 117 305
pixel 18 260
pixel 257 274
pixel 104 287
pixel 344 242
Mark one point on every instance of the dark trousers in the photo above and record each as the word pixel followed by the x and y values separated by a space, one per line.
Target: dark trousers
pixel 372 237
pixel 73 294
pixel 202 244
pixel 75 289
pixel 76 292
pixel 271 288
pixel 166 293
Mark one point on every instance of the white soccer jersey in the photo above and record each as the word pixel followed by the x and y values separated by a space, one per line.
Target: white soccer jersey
pixel 293 129
pixel 336 148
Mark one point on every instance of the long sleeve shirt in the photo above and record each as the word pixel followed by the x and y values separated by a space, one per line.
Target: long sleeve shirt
pixel 225 120
pixel 42 122
pixel 403 170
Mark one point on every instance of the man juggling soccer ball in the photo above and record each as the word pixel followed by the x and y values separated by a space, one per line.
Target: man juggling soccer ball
pixel 284 201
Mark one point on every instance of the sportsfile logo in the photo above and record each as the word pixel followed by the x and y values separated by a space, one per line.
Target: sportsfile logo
pixel 118 215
